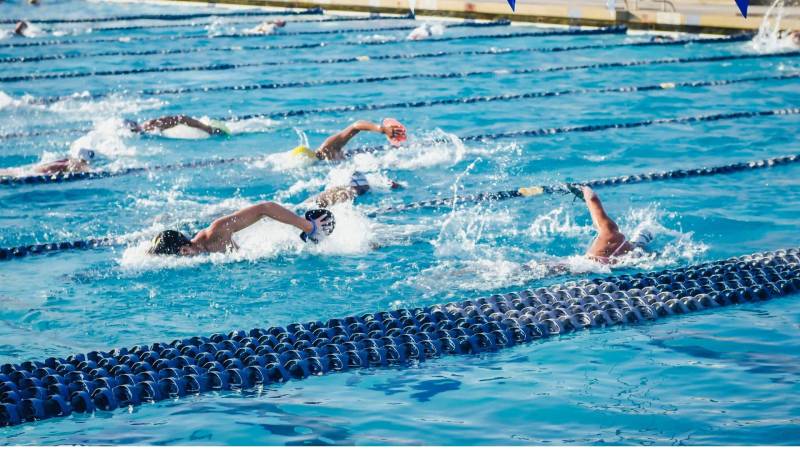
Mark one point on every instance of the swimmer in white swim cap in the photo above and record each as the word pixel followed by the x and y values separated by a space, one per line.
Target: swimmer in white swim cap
pixel 73 164
pixel 333 147
pixel 610 244
pixel 218 237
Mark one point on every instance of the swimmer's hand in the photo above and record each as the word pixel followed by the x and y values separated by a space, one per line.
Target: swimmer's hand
pixel 321 224
pixel 394 131
pixel 577 191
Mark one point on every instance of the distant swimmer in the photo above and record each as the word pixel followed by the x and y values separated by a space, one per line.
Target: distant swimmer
pixel 333 147
pixel 425 31
pixel 359 185
pixel 610 244
pixel 218 237
pixel 20 29
pixel 167 124
pixel 267 27
pixel 78 163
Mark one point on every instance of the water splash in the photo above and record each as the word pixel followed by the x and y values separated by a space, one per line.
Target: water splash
pixel 770 38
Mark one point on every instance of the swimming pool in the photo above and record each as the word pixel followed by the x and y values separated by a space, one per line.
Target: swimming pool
pixel 727 376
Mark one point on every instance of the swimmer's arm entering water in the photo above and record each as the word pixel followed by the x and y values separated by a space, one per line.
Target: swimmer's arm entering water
pixel 331 149
pixel 609 239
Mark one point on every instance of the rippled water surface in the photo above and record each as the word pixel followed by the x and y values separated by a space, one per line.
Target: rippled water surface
pixel 726 376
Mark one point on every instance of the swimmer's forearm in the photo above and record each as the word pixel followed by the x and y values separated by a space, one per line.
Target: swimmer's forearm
pixel 277 212
pixel 364 125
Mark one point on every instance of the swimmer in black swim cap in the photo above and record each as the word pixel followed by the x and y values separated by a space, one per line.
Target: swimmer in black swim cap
pixel 218 237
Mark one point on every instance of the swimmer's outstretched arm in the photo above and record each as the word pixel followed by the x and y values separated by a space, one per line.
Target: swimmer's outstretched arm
pixel 331 149
pixel 166 122
pixel 230 224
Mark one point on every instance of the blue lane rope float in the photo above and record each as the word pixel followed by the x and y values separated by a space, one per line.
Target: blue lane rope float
pixel 458 101
pixel 531 191
pixel 288 12
pixel 78 176
pixel 534 191
pixel 364 58
pixel 284 33
pixel 130 377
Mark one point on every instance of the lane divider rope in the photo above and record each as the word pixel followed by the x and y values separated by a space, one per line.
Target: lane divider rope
pixel 130 377
pixel 261 36
pixel 366 58
pixel 93 175
pixel 458 101
pixel 172 16
pixel 532 191
pixel 252 21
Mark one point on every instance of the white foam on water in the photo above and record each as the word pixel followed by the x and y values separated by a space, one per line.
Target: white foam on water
pixel 110 138
pixel 364 39
pixel 254 125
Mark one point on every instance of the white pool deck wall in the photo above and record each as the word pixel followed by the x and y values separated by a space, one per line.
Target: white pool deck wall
pixel 699 16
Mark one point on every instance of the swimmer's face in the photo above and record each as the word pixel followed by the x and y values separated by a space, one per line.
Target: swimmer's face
pixel 189 250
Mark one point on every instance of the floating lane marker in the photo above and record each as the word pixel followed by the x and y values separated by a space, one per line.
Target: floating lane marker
pixel 130 377
pixel 173 16
pixel 287 33
pixel 533 191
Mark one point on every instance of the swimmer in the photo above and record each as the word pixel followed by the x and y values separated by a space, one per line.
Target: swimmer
pixel 425 31
pixel 358 186
pixel 267 27
pixel 168 122
pixel 610 244
pixel 79 163
pixel 19 30
pixel 332 148
pixel 218 237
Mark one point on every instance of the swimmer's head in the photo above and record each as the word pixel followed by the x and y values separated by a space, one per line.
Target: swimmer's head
pixel 87 155
pixel 279 23
pixel 641 238
pixel 359 183
pixel 131 125
pixel 170 242
pixel 301 151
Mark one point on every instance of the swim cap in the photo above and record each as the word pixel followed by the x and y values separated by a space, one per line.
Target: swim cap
pixel 359 182
pixel 220 125
pixel 86 154
pixel 641 238
pixel 303 151
pixel 329 223
pixel 168 242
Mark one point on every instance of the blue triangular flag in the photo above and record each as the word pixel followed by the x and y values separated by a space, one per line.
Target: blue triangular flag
pixel 742 4
pixel 513 4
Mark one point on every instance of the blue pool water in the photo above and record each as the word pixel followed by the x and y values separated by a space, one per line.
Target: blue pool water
pixel 727 376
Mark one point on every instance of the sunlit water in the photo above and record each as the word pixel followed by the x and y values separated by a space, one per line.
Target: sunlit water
pixel 727 376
